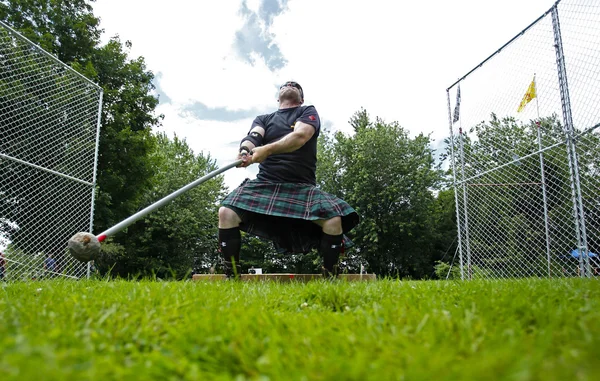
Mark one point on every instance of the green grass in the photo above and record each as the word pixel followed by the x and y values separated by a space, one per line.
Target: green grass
pixel 385 330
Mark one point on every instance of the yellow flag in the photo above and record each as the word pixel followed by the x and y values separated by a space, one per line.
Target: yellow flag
pixel 529 95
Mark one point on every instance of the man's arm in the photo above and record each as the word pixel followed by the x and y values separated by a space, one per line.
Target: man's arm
pixel 247 146
pixel 255 130
pixel 289 143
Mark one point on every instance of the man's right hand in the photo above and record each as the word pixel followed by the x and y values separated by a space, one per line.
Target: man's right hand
pixel 245 157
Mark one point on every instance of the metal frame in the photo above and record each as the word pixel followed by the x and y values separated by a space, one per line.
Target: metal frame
pixel 570 142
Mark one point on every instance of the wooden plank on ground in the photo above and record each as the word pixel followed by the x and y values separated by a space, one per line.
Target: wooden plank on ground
pixel 284 277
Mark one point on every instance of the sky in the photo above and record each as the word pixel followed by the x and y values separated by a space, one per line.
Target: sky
pixel 218 64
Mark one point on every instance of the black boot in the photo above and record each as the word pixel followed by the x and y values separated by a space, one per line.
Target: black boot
pixel 232 271
pixel 329 274
pixel 331 247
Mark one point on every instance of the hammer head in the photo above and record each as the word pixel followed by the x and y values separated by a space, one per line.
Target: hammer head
pixel 84 247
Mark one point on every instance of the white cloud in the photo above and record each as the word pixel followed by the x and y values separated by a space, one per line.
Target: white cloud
pixel 253 5
pixel 212 138
pixel 393 58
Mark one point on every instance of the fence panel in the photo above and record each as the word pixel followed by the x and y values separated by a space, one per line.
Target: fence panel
pixel 516 191
pixel 49 126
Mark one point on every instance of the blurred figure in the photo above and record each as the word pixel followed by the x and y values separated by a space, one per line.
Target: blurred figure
pixel 2 266
pixel 50 265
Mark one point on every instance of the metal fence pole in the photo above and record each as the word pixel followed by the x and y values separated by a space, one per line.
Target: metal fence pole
pixel 465 198
pixel 460 256
pixel 578 213
pixel 95 173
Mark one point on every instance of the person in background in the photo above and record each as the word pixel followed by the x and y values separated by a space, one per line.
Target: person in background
pixel 50 265
pixel 2 265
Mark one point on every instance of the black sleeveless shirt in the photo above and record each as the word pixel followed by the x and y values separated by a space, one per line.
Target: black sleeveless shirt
pixel 293 167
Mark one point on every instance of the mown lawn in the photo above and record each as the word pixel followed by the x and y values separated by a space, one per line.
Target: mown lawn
pixel 384 330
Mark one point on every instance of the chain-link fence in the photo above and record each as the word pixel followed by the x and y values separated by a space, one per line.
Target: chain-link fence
pixel 49 129
pixel 525 151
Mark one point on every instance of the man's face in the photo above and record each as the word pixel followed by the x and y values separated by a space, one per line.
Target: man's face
pixel 290 92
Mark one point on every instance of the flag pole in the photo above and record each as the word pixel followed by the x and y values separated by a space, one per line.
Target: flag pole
pixel 539 135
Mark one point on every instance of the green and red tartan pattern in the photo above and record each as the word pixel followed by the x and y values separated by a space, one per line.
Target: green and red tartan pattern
pixel 279 211
pixel 302 201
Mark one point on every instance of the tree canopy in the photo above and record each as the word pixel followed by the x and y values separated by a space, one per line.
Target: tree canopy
pixel 391 180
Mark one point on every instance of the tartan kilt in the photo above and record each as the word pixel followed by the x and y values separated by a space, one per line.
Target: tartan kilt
pixel 282 213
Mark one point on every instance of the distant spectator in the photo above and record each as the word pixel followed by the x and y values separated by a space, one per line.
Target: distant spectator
pixel 2 265
pixel 50 264
pixel 595 263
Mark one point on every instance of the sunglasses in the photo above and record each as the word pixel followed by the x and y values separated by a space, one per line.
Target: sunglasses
pixel 294 84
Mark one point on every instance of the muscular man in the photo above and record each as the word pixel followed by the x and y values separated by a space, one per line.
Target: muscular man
pixel 283 203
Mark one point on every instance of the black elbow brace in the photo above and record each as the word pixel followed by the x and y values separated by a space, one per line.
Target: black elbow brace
pixel 254 138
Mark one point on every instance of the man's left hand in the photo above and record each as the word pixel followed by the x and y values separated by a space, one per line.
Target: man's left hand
pixel 259 154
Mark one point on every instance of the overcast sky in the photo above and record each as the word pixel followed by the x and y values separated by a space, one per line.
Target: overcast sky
pixel 219 63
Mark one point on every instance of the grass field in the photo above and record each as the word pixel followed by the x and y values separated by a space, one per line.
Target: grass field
pixel 385 330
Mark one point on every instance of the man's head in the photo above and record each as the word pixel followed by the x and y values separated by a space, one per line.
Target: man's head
pixel 292 92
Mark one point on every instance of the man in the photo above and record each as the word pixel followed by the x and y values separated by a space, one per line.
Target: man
pixel 50 265
pixel 283 203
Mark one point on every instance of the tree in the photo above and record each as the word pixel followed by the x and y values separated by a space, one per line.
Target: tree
pixel 180 237
pixel 389 178
pixel 65 28
pixel 444 235
pixel 126 139
pixel 69 30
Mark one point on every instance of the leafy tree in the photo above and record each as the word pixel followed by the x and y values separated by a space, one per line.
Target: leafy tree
pixel 69 30
pixel 389 178
pixel 65 28
pixel 444 235
pixel 126 140
pixel 179 238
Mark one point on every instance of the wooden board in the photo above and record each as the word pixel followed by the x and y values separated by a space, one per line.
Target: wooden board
pixel 284 277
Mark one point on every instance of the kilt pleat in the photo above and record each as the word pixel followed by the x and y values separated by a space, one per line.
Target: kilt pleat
pixel 283 213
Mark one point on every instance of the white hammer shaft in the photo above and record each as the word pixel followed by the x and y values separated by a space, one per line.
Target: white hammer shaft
pixel 128 221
